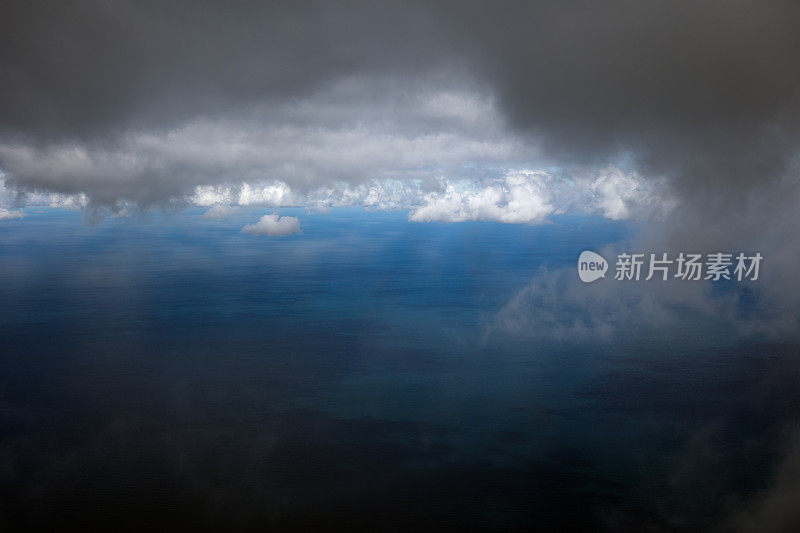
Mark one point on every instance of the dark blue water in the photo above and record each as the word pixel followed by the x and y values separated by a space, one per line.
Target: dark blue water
pixel 171 371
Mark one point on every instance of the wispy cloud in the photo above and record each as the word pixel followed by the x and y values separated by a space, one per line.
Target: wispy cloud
pixel 9 214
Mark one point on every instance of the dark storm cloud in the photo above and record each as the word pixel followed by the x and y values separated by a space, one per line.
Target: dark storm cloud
pixel 705 91
pixel 593 76
pixel 78 68
pixel 646 77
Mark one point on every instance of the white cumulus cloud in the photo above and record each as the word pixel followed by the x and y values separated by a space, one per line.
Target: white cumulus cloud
pixel 273 226
pixel 518 197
